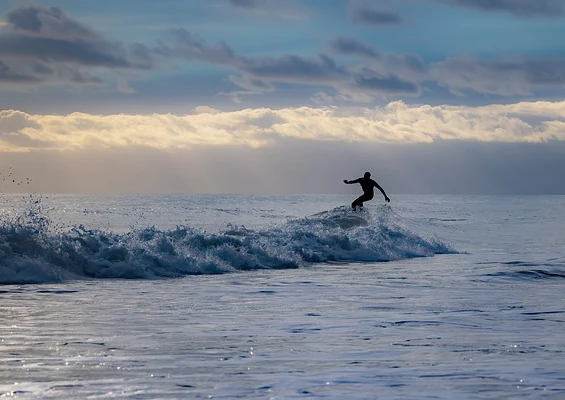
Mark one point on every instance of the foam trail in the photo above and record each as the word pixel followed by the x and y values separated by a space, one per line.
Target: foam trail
pixel 31 253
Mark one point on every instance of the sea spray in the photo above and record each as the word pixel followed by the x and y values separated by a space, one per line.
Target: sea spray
pixel 31 251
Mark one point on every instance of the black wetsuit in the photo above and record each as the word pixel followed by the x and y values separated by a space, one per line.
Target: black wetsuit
pixel 367 184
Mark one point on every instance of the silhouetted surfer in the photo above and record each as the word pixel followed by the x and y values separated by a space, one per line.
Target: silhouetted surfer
pixel 367 184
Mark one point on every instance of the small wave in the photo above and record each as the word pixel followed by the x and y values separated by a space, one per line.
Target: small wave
pixel 448 219
pixel 528 270
pixel 31 253
pixel 530 274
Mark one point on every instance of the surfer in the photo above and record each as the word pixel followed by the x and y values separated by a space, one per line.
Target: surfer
pixel 367 184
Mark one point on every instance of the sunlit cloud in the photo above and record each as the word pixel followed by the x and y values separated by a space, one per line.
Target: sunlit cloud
pixel 397 122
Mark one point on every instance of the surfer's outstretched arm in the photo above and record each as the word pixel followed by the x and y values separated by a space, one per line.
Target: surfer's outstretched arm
pixel 350 182
pixel 382 191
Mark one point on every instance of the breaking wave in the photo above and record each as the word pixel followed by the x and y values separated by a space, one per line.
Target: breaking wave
pixel 30 252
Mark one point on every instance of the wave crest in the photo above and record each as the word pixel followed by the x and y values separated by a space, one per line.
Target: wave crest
pixel 31 253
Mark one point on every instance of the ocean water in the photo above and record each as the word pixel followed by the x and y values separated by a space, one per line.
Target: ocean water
pixel 282 297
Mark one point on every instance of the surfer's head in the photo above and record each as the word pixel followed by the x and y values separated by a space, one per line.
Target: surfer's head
pixel 367 175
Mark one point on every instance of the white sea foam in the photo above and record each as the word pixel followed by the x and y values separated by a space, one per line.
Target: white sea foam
pixel 31 253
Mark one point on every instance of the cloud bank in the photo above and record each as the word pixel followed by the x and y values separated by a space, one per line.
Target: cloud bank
pixel 397 122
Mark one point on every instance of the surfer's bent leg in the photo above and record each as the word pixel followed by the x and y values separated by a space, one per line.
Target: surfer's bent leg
pixel 358 202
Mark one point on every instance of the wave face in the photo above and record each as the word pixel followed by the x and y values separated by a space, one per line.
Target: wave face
pixel 30 252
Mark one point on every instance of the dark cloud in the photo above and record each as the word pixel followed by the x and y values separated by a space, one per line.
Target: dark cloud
pixel 363 12
pixel 193 47
pixel 406 65
pixel 522 8
pixel 347 46
pixel 501 77
pixel 245 3
pixel 259 70
pixel 45 45
pixel 403 73
pixel 411 62
pixel 272 10
pixel 28 18
pixel 89 54
pixel 8 74
pixel 385 74
pixel 291 68
pixel 258 73
pixel 536 71
pixel 390 84
pixel 47 22
pixel 70 74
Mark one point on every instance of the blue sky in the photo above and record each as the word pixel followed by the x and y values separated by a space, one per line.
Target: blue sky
pixel 328 72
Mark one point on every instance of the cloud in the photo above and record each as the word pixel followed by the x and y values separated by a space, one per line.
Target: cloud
pixel 295 69
pixel 263 128
pixel 50 22
pixel 260 70
pixel 251 84
pixel 193 47
pixel 503 77
pixel 377 74
pixel 260 74
pixel 12 121
pixel 44 45
pixel 521 8
pixel 389 62
pixel 40 45
pixel 460 74
pixel 9 74
pixel 382 74
pixel 273 10
pixel 363 12
pixel 245 3
pixel 390 84
pixel 348 46
pixel 12 130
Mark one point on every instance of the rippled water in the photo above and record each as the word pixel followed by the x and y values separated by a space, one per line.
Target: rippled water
pixel 486 323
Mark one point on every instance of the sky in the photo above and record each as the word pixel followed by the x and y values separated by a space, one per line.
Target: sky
pixel 282 96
